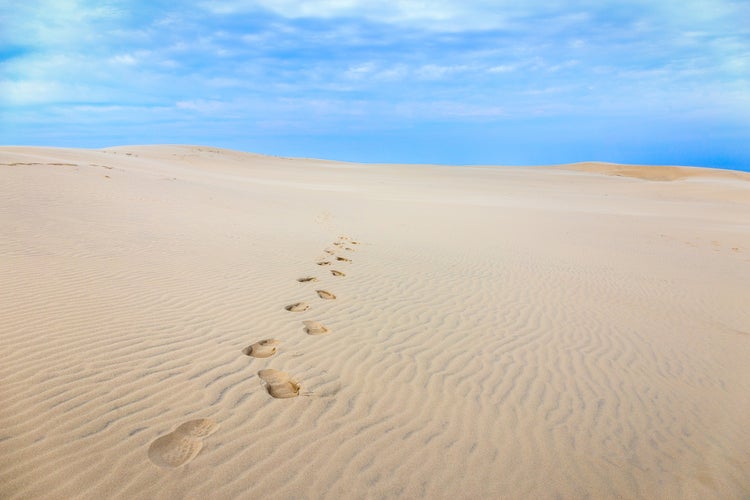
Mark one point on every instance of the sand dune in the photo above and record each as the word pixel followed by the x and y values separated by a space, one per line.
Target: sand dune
pixel 486 332
pixel 657 173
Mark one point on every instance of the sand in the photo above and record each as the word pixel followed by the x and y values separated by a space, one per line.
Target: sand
pixel 489 332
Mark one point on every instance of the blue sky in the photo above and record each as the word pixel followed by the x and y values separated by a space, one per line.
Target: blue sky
pixel 445 81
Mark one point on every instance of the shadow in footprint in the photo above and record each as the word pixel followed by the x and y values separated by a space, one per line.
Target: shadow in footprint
pixel 307 279
pixel 298 307
pixel 279 384
pixel 337 273
pixel 325 295
pixel 262 349
pixel 324 263
pixel 343 259
pixel 315 328
pixel 181 445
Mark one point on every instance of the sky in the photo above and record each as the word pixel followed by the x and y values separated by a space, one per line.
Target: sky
pixel 503 82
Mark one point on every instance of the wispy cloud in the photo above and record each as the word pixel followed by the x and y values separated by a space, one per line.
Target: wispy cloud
pixel 267 66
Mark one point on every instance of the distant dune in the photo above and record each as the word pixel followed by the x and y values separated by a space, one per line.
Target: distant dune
pixel 194 322
pixel 657 173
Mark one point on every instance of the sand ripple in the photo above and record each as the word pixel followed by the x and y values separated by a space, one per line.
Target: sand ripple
pixel 497 334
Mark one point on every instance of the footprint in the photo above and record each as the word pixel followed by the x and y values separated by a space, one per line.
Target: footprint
pixel 324 263
pixel 338 243
pixel 262 349
pixel 325 295
pixel 279 384
pixel 329 251
pixel 307 279
pixel 337 273
pixel 315 328
pixel 343 259
pixel 298 307
pixel 174 450
pixel 198 428
pixel 350 249
pixel 181 445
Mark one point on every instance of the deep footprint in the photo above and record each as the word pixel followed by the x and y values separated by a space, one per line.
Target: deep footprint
pixel 343 259
pixel 337 273
pixel 182 445
pixel 315 328
pixel 324 263
pixel 325 295
pixel 262 349
pixel 279 384
pixel 307 279
pixel 298 307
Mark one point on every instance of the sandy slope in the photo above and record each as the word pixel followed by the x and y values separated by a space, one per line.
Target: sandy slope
pixel 498 332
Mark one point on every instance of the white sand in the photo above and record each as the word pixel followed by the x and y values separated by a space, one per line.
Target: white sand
pixel 499 332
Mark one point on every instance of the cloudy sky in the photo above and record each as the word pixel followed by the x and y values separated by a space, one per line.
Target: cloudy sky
pixel 441 81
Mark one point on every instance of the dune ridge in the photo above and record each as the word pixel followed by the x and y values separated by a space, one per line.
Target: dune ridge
pixel 493 332
pixel 657 172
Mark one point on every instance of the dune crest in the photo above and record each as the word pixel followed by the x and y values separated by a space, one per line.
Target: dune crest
pixel 657 173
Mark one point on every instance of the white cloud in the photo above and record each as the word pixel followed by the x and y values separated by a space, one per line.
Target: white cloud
pixel 59 23
pixel 449 109
pixel 359 71
pixel 25 92
pixel 502 68
pixel 676 16
pixel 437 72
pixel 446 14
pixel 371 71
pixel 201 105
pixel 124 59
pixel 393 73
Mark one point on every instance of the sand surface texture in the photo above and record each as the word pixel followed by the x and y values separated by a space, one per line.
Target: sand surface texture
pixel 185 322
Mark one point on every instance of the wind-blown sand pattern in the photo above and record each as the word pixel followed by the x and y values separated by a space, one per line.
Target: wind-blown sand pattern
pixel 577 331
